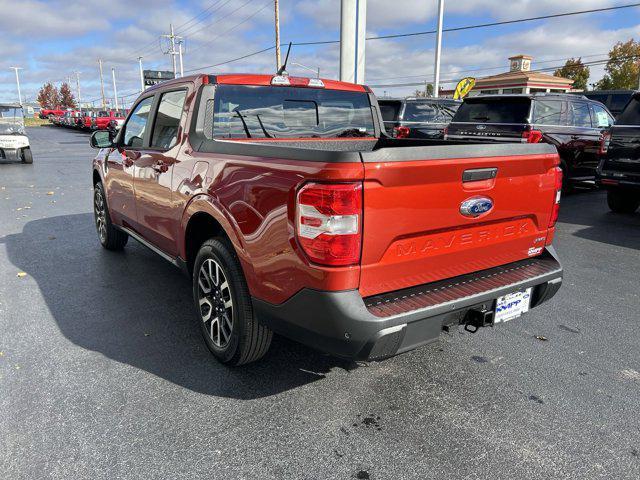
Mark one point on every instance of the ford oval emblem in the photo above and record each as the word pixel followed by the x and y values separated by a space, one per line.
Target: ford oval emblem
pixel 481 127
pixel 476 206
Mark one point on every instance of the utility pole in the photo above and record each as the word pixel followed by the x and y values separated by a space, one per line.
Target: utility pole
pixel 78 85
pixel 172 48
pixel 180 57
pixel 115 90
pixel 104 104
pixel 353 23
pixel 17 82
pixel 277 19
pixel 436 73
pixel 141 75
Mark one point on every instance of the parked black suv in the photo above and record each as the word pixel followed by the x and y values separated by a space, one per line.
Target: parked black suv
pixel 619 170
pixel 614 100
pixel 574 124
pixel 417 117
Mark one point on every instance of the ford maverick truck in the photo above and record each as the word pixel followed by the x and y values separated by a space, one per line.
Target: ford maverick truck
pixel 293 213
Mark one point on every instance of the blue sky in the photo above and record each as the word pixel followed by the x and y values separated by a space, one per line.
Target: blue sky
pixel 53 39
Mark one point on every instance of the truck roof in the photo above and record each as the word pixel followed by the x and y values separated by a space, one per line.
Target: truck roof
pixel 257 80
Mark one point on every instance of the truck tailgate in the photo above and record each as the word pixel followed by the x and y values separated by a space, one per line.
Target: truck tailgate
pixel 414 231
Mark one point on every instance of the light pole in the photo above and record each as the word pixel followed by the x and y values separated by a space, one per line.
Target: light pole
pixel 180 57
pixel 315 70
pixel 115 90
pixel 141 74
pixel 78 86
pixel 436 73
pixel 17 82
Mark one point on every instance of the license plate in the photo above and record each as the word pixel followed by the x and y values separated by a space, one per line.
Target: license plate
pixel 512 305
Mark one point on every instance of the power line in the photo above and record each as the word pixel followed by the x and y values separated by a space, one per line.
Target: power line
pixel 209 42
pixel 453 29
pixel 220 19
pixel 538 70
pixel 232 60
pixel 199 14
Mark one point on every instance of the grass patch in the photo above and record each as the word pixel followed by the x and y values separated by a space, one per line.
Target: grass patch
pixel 35 122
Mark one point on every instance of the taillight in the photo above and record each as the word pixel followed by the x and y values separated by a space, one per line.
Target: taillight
pixel 328 222
pixel 605 140
pixel 556 199
pixel 445 132
pixel 401 132
pixel 532 136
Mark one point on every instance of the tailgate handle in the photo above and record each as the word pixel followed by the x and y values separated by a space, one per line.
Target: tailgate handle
pixel 477 174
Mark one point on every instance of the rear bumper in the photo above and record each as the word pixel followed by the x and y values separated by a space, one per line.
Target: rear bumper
pixel 619 180
pixel 346 325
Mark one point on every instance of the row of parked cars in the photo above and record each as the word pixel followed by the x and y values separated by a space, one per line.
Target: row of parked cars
pixel 88 120
pixel 579 126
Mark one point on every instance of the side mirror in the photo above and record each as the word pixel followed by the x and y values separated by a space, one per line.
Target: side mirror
pixel 102 139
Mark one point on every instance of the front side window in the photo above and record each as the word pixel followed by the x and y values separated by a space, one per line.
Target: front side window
pixel 579 115
pixel 602 117
pixel 134 129
pixel 165 127
pixel 548 112
pixel 242 111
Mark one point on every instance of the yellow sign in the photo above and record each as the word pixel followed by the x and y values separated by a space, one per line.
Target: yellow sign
pixel 464 87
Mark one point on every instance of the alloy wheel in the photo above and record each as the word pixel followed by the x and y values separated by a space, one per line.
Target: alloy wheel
pixel 216 304
pixel 100 212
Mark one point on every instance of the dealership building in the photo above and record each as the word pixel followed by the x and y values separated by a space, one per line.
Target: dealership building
pixel 520 79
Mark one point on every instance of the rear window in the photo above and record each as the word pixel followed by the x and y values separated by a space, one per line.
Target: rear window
pixel 618 101
pixel 429 112
pixel 508 110
pixel 242 111
pixel 631 114
pixel 548 112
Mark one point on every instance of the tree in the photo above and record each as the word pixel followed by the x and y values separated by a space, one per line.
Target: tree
pixel 576 71
pixel 423 93
pixel 48 96
pixel 67 99
pixel 623 67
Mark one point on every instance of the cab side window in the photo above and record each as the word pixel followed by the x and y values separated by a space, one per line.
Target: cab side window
pixel 134 129
pixel 167 121
pixel 579 115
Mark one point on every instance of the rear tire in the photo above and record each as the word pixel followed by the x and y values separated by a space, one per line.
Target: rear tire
pixel 27 156
pixel 224 307
pixel 110 237
pixel 622 202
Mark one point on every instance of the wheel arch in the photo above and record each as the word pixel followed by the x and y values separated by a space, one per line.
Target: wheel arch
pixel 202 219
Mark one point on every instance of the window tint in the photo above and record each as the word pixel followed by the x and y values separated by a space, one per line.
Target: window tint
pixel 631 114
pixel 579 115
pixel 242 111
pixel 618 101
pixel 134 128
pixel 429 112
pixel 165 126
pixel 602 119
pixel 389 110
pixel 494 110
pixel 548 112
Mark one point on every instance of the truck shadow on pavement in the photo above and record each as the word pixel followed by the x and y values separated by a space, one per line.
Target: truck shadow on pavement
pixel 135 308
pixel 600 224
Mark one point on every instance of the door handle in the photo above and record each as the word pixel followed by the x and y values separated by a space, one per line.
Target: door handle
pixel 160 166
pixel 575 137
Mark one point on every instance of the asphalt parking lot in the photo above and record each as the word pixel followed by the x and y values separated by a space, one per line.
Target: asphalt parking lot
pixel 103 373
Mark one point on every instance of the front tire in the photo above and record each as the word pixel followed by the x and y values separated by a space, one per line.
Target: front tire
pixel 224 308
pixel 622 202
pixel 27 156
pixel 110 237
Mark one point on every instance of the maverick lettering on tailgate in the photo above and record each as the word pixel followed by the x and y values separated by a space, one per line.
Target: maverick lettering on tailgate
pixel 461 240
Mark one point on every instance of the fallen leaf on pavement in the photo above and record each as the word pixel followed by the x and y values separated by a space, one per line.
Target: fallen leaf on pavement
pixel 542 338
pixel 21 274
pixel 50 193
